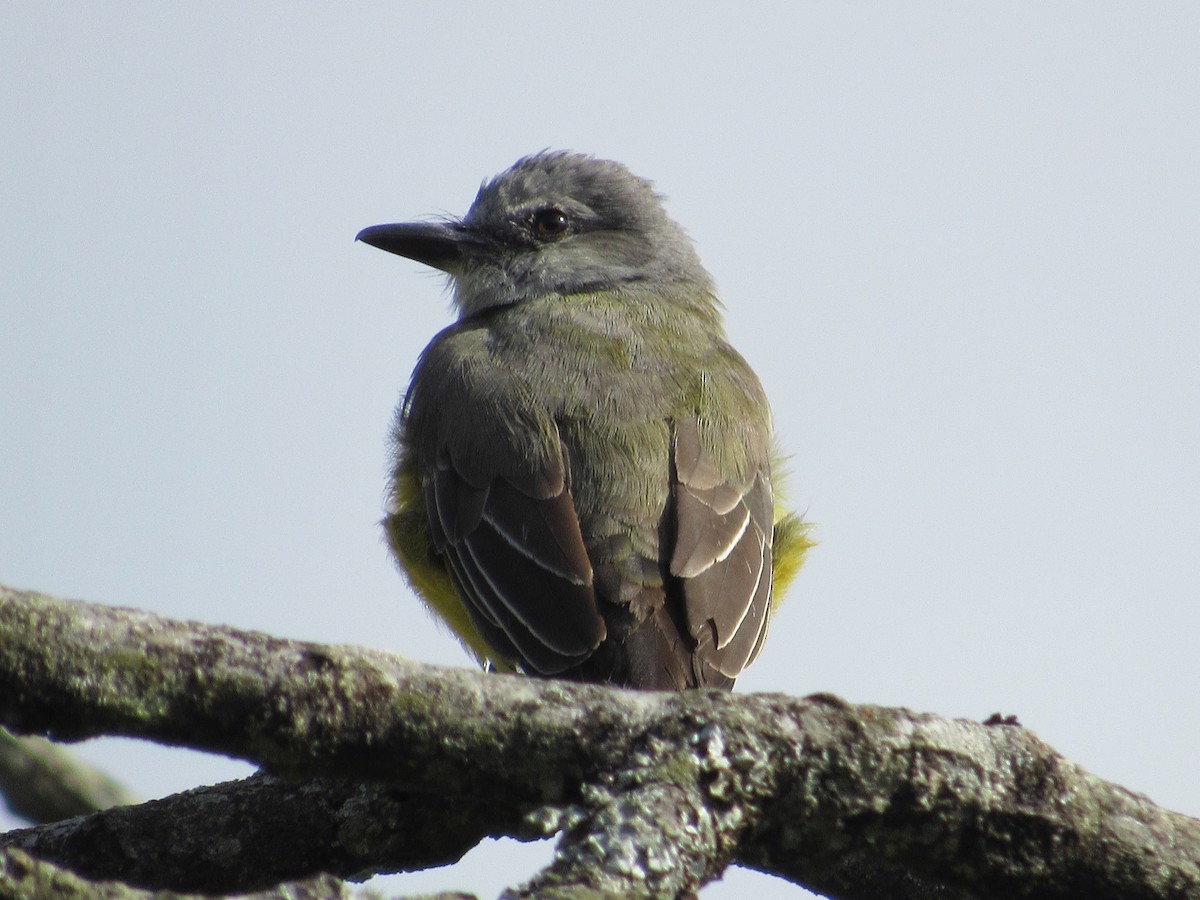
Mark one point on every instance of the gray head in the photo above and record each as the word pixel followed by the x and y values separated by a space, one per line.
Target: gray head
pixel 555 223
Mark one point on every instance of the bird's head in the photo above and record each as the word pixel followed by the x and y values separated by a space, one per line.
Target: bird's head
pixel 554 223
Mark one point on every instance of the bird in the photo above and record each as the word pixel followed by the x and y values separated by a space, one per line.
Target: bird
pixel 583 480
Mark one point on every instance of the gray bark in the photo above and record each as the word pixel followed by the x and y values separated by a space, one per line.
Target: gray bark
pixel 408 765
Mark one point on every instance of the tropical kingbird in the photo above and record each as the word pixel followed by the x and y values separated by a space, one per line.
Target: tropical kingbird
pixel 582 479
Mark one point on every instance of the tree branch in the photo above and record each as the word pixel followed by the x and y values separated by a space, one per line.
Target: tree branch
pixel 655 793
pixel 22 875
pixel 254 833
pixel 44 783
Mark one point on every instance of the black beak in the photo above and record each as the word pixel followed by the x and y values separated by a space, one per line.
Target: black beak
pixel 435 244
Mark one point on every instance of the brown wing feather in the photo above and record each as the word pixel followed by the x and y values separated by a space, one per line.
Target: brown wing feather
pixel 520 564
pixel 722 556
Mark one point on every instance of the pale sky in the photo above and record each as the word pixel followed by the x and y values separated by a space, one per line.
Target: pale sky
pixel 960 243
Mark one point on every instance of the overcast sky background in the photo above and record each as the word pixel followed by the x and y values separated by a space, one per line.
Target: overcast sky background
pixel 960 244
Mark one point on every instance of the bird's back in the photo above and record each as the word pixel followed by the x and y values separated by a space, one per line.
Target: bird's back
pixel 599 385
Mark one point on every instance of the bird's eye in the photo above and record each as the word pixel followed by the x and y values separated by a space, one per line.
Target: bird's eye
pixel 550 223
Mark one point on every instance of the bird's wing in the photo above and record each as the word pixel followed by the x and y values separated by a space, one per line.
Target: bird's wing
pixel 516 555
pixel 722 553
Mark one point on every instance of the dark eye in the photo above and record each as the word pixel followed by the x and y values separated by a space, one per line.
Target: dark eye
pixel 550 222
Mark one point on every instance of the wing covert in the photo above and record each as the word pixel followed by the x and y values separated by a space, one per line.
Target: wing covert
pixel 722 553
pixel 519 562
